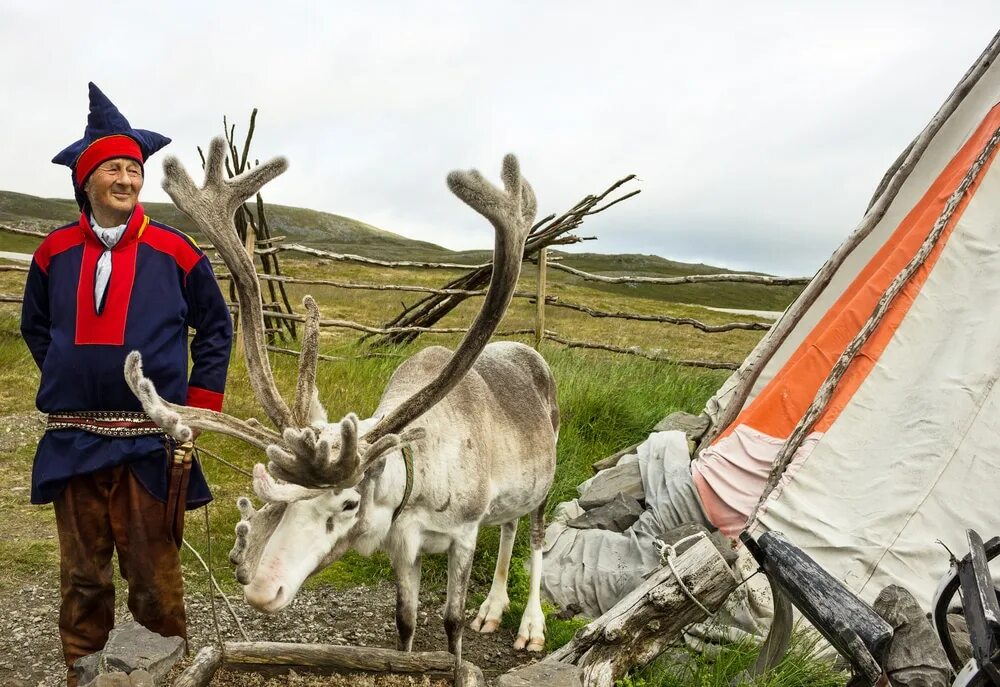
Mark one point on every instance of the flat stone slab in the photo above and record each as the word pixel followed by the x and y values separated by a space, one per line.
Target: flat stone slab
pixel 132 647
pixel 694 426
pixel 624 478
pixel 616 515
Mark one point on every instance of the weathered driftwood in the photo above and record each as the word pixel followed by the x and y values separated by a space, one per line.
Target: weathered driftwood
pixel 640 626
pixel 873 216
pixel 836 612
pixel 202 669
pixel 686 279
pixel 347 658
pixel 825 393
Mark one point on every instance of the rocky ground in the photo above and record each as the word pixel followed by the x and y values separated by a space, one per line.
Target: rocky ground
pixel 30 654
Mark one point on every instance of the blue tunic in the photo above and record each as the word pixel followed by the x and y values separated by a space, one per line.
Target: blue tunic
pixel 161 284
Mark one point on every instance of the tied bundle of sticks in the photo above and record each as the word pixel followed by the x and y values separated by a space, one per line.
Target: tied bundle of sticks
pixel 549 231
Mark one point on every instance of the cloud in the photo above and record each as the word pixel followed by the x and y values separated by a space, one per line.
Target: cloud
pixel 750 126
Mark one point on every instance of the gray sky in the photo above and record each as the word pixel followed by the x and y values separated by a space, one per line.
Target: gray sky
pixel 758 130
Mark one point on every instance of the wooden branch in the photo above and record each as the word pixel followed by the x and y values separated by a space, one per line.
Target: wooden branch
pixel 640 626
pixel 347 257
pixel 825 393
pixel 875 213
pixel 655 354
pixel 687 279
pixel 25 232
pixel 347 658
pixel 202 669
pixel 708 328
pixel 367 286
pixel 10 298
pixel 13 268
pixel 434 307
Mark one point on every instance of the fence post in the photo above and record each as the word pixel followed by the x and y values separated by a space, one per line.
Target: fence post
pixel 540 299
pixel 251 245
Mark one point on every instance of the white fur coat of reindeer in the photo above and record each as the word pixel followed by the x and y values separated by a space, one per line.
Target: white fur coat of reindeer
pixel 479 425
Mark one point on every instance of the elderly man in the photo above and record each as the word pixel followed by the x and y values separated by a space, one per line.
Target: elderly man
pixel 112 282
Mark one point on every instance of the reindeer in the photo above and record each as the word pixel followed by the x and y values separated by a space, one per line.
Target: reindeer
pixel 483 452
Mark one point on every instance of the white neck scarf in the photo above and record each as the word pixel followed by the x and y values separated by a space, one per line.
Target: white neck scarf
pixel 110 238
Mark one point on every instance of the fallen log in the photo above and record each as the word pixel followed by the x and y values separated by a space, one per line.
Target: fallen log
pixel 348 659
pixel 202 669
pixel 639 627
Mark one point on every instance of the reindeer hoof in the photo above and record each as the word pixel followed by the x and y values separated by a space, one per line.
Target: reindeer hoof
pixel 484 627
pixel 534 644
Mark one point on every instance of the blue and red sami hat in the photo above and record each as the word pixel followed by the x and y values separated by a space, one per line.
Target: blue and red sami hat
pixel 108 135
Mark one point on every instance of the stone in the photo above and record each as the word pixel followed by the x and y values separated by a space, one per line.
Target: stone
pixel 617 515
pixel 612 460
pixel 87 668
pixel 915 657
pixel 110 680
pixel 548 673
pixel 132 647
pixel 960 639
pixel 607 484
pixel 141 678
pixel 694 426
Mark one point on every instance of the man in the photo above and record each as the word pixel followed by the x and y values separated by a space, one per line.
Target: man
pixel 113 282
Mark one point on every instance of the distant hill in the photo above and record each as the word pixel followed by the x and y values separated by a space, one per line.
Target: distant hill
pixel 346 235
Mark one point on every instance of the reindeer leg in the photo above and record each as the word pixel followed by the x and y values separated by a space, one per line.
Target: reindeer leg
pixel 459 567
pixel 531 635
pixel 497 601
pixel 407 599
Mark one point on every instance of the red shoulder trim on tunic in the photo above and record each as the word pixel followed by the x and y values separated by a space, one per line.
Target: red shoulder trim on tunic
pixel 173 244
pixel 58 241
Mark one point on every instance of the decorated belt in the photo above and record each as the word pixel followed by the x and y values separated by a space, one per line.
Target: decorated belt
pixel 109 423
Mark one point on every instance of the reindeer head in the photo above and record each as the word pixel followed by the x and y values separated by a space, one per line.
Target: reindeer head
pixel 315 510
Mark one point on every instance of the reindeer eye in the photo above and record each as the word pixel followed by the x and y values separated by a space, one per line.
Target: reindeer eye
pixel 350 505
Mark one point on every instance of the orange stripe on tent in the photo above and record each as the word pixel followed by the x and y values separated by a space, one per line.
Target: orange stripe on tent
pixel 778 408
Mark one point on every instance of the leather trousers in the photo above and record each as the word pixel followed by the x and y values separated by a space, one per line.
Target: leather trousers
pixel 97 514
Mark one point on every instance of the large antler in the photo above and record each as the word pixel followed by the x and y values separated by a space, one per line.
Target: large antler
pixel 212 208
pixel 512 212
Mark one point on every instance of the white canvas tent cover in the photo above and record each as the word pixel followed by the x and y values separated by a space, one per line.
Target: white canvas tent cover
pixel 907 451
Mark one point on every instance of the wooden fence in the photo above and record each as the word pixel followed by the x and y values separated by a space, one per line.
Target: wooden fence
pixel 539 296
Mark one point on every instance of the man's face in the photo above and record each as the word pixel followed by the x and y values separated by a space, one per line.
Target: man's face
pixel 113 188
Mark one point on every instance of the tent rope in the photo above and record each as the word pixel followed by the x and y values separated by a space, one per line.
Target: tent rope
pixel 826 390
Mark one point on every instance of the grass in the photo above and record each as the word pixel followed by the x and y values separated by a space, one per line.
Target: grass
pixel 726 668
pixel 606 402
